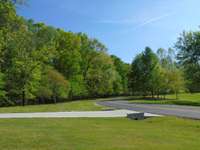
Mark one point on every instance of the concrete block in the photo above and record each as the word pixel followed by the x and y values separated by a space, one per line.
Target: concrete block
pixel 136 116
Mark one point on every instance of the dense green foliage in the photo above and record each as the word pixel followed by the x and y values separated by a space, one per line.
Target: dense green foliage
pixel 188 46
pixel 155 74
pixel 48 64
pixel 122 73
pixel 45 64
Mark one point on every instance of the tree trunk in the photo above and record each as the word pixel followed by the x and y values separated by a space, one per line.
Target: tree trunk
pixel 152 94
pixel 176 95
pixel 23 98
pixel 158 96
pixel 55 99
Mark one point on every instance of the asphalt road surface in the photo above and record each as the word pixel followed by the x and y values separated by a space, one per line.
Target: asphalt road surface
pixel 170 110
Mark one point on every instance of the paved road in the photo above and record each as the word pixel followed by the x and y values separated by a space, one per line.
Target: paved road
pixel 84 114
pixel 171 110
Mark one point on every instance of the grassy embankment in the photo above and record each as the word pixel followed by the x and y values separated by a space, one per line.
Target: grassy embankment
pixel 184 99
pixel 84 105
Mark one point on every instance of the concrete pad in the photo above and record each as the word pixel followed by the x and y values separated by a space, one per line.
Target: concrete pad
pixel 83 114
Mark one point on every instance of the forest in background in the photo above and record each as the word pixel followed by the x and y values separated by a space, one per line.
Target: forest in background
pixel 43 64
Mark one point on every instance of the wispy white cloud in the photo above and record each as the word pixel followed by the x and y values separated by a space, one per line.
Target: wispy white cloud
pixel 154 19
pixel 149 21
pixel 135 22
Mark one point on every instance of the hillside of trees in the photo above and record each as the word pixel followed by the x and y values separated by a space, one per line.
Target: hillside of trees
pixel 43 64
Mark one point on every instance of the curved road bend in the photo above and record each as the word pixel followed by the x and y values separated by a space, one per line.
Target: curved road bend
pixel 171 110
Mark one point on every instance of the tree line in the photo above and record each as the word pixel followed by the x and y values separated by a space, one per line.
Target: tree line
pixel 40 63
pixel 46 63
pixel 156 74
pixel 168 71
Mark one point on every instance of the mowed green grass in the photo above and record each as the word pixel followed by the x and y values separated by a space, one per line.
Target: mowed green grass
pixel 99 134
pixel 84 105
pixel 184 99
pixel 166 133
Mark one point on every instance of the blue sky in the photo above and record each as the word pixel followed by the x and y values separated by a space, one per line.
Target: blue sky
pixel 126 27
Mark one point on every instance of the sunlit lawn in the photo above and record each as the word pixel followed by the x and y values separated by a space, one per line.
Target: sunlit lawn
pixel 184 99
pixel 165 133
pixel 84 105
pixel 99 134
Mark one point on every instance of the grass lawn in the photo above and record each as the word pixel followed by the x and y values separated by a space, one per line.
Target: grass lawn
pixel 184 99
pixel 84 105
pixel 165 133
pixel 99 134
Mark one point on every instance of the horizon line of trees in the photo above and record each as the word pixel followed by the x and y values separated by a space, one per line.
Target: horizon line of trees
pixel 49 64
pixel 46 64
pixel 168 71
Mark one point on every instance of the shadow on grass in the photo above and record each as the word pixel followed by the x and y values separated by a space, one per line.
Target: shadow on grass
pixel 166 101
pixel 185 102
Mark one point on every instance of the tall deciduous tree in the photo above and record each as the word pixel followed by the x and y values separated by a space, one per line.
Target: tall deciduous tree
pixel 173 80
pixel 188 46
pixel 122 71
pixel 101 76
pixel 145 73
pixel 68 61
pixel 53 85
